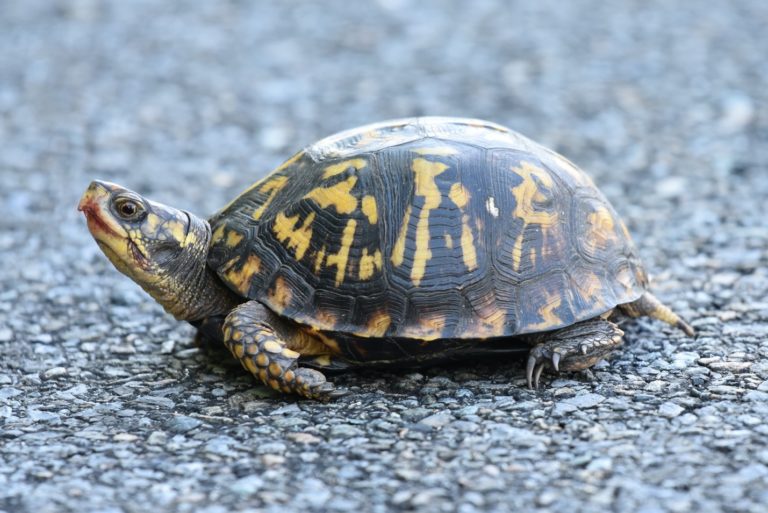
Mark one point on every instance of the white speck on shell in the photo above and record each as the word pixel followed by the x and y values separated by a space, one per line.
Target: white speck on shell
pixel 491 207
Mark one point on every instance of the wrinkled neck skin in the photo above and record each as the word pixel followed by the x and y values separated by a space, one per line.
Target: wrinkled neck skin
pixel 186 287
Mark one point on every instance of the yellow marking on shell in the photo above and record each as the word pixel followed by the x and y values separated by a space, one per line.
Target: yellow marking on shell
pixel 294 238
pixel 398 252
pixel 233 239
pixel 241 278
pixel 626 278
pixel 526 194
pixel 428 329
pixel 492 324
pixel 468 251
pixel 273 346
pixel 589 286
pixel 459 195
pixel 237 335
pixel 319 257
pixel 448 241
pixel 439 151
pixel 280 294
pixel 425 173
pixel 262 360
pixel 547 314
pixel 369 264
pixel 238 350
pixel 369 209
pixel 338 195
pixel 602 225
pixel 340 259
pixel 325 319
pixel 271 186
pixel 289 353
pixel 532 256
pixel 248 364
pixel 377 325
pixel 289 376
pixel 337 169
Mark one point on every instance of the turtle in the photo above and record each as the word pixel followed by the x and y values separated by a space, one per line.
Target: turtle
pixel 402 243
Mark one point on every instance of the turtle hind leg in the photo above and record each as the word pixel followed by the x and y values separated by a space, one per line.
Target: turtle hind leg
pixel 649 306
pixel 575 347
pixel 259 339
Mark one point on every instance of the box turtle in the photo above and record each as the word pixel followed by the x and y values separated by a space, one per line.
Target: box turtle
pixel 406 242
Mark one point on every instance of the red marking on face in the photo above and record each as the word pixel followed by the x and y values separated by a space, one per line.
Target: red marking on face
pixel 92 211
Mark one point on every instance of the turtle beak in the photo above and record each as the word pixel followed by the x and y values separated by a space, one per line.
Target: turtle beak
pixel 95 205
pixel 95 195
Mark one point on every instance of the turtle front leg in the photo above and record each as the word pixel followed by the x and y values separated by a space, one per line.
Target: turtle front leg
pixel 261 341
pixel 576 347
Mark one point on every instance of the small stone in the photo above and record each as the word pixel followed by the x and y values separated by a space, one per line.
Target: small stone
pixel 125 437
pixel 346 430
pixel 670 410
pixel 304 438
pixel 272 460
pixel 415 414
pixel 247 485
pixel 271 448
pixel 157 438
pixel 583 401
pixel 738 110
pixel 756 395
pixel 220 445
pixel 54 372
pixel 182 424
pixel 9 392
pixel 730 366
pixel 437 420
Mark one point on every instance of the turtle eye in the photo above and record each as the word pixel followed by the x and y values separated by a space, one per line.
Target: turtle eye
pixel 128 208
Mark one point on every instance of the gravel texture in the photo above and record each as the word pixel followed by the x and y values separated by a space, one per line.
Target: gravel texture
pixel 106 404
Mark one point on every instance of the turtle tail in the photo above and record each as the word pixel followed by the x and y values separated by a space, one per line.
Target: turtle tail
pixel 649 306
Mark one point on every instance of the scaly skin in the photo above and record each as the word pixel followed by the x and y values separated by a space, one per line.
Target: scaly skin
pixel 576 347
pixel 250 334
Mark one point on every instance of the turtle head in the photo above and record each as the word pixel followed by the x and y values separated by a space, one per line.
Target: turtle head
pixel 161 248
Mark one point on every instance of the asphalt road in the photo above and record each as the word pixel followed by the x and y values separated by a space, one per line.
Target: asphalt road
pixel 106 404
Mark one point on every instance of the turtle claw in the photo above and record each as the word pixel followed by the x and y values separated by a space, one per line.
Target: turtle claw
pixel 576 347
pixel 537 361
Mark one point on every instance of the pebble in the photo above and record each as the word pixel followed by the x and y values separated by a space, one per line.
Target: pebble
pixel 182 424
pixel 670 410
pixel 437 420
pixel 583 401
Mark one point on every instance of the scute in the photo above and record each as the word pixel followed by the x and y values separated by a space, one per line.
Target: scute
pixel 427 228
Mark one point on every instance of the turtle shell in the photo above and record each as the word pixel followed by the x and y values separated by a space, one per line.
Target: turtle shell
pixel 427 228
